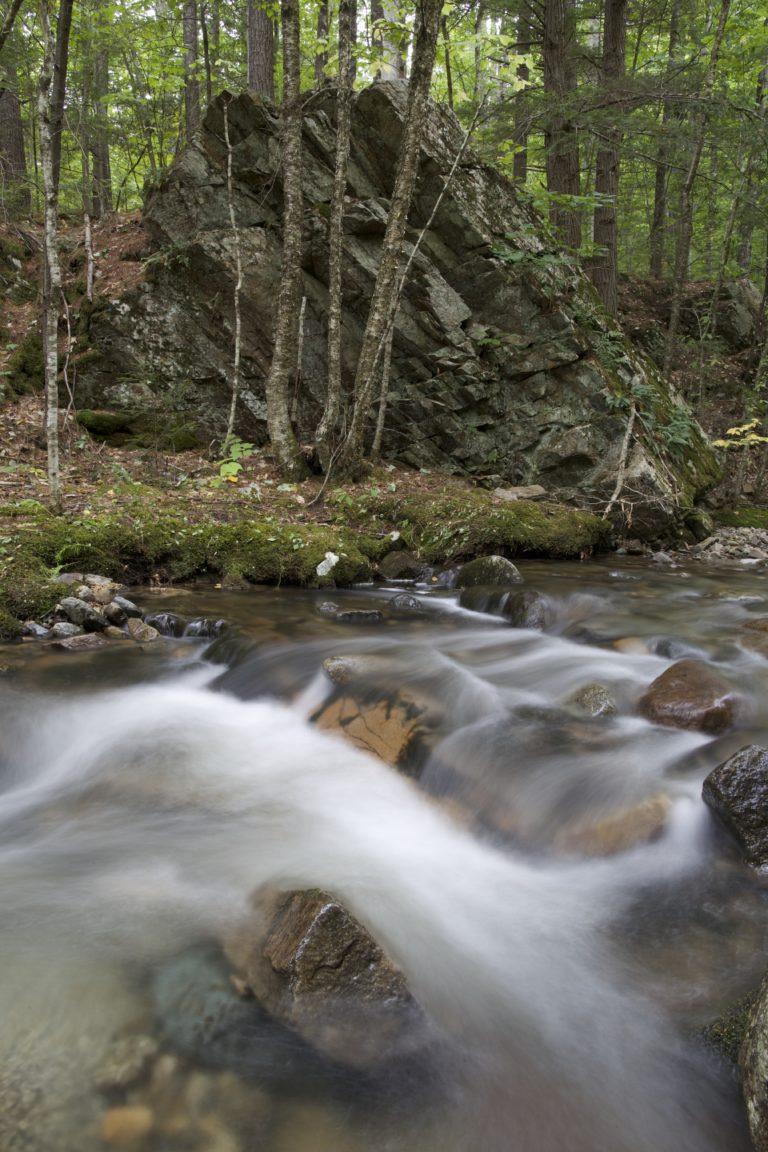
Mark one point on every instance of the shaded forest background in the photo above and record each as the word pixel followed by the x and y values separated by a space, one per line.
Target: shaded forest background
pixel 638 127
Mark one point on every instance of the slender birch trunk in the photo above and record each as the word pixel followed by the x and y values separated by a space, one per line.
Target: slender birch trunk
pixel 52 279
pixel 327 427
pixel 284 443
pixel 238 282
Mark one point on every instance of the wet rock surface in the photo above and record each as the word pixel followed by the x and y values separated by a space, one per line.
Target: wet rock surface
pixel 319 972
pixel 753 1060
pixel 737 792
pixel 690 695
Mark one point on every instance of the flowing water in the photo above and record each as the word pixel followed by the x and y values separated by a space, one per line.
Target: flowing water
pixel 145 794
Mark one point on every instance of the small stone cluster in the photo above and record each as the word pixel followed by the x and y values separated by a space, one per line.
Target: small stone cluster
pixel 97 613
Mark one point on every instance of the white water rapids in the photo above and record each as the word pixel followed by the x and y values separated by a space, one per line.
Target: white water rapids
pixel 137 821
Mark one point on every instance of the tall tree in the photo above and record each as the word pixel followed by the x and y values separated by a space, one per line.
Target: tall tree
pixel 261 50
pixel 699 120
pixel 560 135
pixel 59 85
pixel 284 357
pixel 326 431
pixel 13 159
pixel 669 114
pixel 385 292
pixel 53 48
pixel 191 80
pixel 604 268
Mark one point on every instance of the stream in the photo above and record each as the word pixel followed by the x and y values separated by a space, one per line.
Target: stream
pixel 145 793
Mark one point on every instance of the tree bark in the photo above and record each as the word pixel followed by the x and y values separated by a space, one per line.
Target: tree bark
pixel 13 159
pixel 685 223
pixel 669 114
pixel 10 19
pixel 191 81
pixel 52 279
pixel 384 299
pixel 238 284
pixel 284 444
pixel 102 168
pixel 521 112
pixel 59 86
pixel 261 51
pixel 604 267
pixel 321 56
pixel 560 136
pixel 385 14
pixel 326 431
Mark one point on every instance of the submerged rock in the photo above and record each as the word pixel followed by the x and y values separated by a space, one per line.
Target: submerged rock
pixel 593 700
pixel 617 831
pixel 167 623
pixel 737 792
pixel 318 971
pixel 392 727
pixel 691 695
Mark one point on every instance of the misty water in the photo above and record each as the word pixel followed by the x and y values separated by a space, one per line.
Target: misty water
pixel 147 793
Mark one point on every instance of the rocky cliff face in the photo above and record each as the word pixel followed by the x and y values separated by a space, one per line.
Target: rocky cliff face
pixel 503 362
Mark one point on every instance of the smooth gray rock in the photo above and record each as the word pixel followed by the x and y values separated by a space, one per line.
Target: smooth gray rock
pixel 127 606
pixel 78 612
pixel 63 629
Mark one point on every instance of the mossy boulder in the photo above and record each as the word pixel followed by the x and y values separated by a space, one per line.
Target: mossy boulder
pixel 461 524
pixel 134 429
pixel 26 370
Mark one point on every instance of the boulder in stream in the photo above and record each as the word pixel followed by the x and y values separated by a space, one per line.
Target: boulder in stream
pixel 319 972
pixel 495 570
pixel 737 792
pixel 690 695
pixel 753 1059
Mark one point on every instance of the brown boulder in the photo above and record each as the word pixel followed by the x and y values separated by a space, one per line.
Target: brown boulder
pixel 317 970
pixel 690 695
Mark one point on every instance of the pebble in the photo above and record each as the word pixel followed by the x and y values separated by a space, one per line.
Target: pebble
pixel 127 1126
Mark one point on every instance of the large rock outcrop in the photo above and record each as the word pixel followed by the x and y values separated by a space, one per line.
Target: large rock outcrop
pixel 503 363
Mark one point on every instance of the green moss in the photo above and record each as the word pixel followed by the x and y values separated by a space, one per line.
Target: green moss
pixel 726 1033
pixel 27 589
pixel 742 517
pixel 10 627
pixel 459 525
pixel 11 249
pixel 140 429
pixel 25 368
pixel 102 424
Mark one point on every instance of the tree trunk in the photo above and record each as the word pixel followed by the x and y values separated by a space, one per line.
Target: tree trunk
pixel 560 136
pixel 669 114
pixel 327 428
pixel 748 219
pixel 238 285
pixel 384 299
pixel 52 48
pixel 321 56
pixel 447 60
pixel 604 269
pixel 685 224
pixel 10 19
pixel 102 169
pixel 59 86
pixel 191 81
pixel 261 51
pixel 521 112
pixel 284 444
pixel 13 160
pixel 385 14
